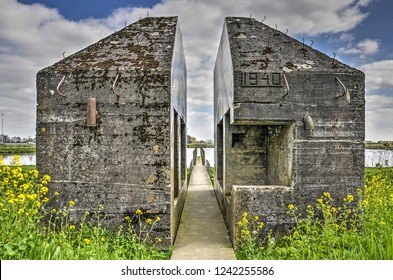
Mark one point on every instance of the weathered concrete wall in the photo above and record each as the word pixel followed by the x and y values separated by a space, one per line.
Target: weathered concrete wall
pixel 127 161
pixel 272 154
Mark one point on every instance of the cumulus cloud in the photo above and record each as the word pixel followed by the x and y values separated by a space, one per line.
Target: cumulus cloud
pixel 379 123
pixel 364 47
pixel 378 74
pixel 346 37
pixel 34 36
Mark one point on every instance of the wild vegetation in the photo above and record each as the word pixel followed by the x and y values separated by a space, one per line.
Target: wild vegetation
pixel 382 145
pixel 17 149
pixel 361 229
pixel 29 230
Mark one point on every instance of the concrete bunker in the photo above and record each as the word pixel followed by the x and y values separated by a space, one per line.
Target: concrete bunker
pixel 111 126
pixel 289 125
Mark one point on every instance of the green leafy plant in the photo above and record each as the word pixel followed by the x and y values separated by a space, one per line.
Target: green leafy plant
pixel 31 231
pixel 361 229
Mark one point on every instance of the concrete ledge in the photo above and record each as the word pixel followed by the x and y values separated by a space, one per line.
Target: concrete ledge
pixel 263 113
pixel 268 202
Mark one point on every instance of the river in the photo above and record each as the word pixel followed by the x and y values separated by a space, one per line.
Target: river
pixel 25 159
pixel 372 157
pixel 209 155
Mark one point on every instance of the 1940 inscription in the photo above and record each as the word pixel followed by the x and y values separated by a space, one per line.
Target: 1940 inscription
pixel 262 79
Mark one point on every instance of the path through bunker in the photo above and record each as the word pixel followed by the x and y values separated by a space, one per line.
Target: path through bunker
pixel 202 234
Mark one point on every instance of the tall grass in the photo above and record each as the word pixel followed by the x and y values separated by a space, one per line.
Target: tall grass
pixel 361 229
pixel 10 149
pixel 31 231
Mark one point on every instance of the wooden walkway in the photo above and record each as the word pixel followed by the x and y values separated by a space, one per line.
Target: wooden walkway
pixel 202 234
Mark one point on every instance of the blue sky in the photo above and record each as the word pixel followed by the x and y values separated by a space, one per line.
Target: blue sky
pixel 35 33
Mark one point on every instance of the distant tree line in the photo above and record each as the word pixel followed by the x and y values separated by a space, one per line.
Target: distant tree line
pixel 16 139
pixel 388 145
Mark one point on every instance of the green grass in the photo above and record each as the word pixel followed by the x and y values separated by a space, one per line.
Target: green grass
pixel 193 145
pixel 212 174
pixel 362 228
pixel 17 149
pixel 27 168
pixel 387 145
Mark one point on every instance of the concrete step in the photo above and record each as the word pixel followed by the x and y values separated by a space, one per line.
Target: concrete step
pixel 202 234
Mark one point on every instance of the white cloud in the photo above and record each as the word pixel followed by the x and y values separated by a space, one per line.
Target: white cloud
pixel 379 123
pixel 346 37
pixel 364 47
pixel 378 74
pixel 34 36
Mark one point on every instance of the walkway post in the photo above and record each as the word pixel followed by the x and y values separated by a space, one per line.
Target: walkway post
pixel 2 126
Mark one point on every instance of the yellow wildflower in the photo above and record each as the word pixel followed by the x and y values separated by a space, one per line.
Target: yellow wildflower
pixel 139 212
pixel 158 219
pixel 349 198
pixel 25 187
pixel 11 201
pixel 291 206
pixel 87 241
pixel 72 203
pixel 34 173
pixel 72 227
pixel 43 190
pixel 46 178
pixel 127 218
pixel 56 194
pixel 149 221
pixel 32 196
pixel 245 232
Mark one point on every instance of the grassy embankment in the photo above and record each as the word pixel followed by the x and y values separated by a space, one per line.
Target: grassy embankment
pixel 194 145
pixel 9 149
pixel 17 149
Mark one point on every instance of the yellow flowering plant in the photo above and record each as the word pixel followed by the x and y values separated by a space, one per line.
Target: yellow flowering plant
pixel 22 199
pixel 248 229
pixel 358 226
pixel 30 229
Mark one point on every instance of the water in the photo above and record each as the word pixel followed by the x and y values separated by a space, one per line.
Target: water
pixel 30 159
pixel 374 156
pixel 25 159
pixel 209 155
